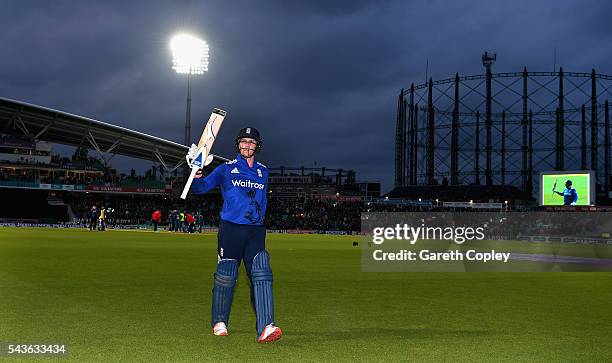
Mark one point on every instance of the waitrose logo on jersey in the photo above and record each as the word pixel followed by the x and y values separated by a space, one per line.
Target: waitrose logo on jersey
pixel 247 184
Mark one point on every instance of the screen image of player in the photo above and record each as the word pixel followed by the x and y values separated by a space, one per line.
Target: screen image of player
pixel 571 189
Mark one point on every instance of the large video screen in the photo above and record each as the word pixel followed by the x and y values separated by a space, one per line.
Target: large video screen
pixel 571 188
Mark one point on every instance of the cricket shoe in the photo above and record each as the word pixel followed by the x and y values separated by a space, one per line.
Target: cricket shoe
pixel 270 334
pixel 220 329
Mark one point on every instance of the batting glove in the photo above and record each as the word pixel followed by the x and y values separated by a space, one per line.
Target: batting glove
pixel 191 154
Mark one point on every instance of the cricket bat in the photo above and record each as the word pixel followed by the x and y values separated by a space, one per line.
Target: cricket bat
pixel 203 156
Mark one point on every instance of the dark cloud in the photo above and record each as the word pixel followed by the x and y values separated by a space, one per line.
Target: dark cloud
pixel 320 79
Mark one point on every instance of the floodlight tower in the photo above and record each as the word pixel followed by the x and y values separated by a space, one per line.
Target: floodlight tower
pixel 190 56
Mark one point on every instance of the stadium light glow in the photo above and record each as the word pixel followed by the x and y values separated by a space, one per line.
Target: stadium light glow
pixel 189 54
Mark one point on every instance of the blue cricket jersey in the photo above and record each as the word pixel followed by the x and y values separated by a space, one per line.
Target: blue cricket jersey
pixel 243 189
pixel 570 196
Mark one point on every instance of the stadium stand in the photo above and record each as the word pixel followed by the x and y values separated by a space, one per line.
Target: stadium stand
pixel 37 185
pixel 32 205
pixel 476 193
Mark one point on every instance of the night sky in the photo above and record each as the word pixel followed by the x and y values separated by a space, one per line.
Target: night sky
pixel 319 79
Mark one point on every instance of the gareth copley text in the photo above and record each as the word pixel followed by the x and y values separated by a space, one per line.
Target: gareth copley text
pixel 426 255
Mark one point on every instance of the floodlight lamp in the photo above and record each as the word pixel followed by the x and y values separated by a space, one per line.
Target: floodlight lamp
pixel 189 54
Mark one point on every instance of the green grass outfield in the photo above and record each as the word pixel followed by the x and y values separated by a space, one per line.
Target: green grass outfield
pixel 143 296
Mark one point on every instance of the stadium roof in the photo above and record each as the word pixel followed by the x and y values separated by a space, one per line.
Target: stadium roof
pixel 55 126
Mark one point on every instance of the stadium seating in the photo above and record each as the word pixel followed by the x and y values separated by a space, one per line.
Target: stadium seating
pixel 30 204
